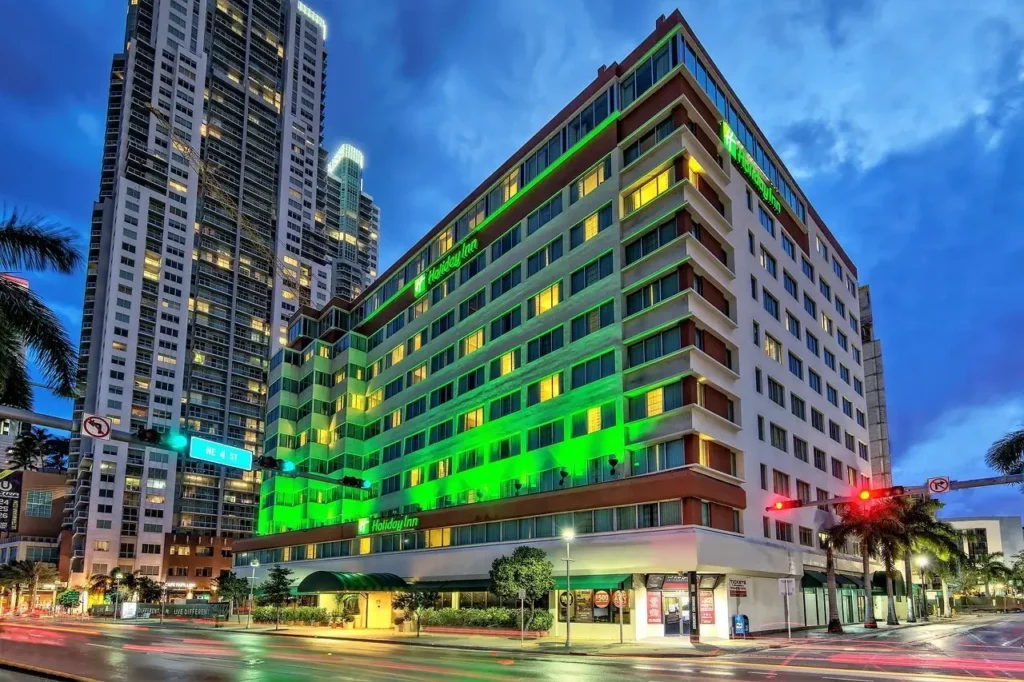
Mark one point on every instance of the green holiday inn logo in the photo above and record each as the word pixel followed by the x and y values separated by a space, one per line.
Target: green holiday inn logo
pixel 389 525
pixel 455 259
pixel 749 167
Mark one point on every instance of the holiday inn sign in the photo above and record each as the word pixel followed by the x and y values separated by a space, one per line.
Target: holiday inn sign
pixel 388 525
pixel 455 259
pixel 746 162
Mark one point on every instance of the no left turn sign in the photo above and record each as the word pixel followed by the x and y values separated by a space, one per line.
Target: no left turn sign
pixel 96 427
pixel 939 484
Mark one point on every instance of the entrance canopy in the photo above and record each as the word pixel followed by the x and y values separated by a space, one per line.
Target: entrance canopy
pixel 899 588
pixel 332 581
pixel 594 582
pixel 817 579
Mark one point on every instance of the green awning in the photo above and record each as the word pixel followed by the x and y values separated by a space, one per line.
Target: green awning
pixel 813 580
pixel 878 584
pixel 848 581
pixel 594 582
pixel 331 581
pixel 466 585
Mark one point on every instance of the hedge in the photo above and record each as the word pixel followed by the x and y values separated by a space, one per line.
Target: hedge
pixel 494 617
pixel 301 614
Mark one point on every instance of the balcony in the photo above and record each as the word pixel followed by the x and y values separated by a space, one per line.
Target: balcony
pixel 687 419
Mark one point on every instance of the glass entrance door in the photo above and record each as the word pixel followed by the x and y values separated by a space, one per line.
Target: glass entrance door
pixel 672 608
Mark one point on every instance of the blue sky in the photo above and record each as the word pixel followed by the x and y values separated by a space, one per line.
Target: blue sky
pixel 901 120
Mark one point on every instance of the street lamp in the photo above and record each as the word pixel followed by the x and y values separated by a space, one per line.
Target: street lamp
pixel 568 534
pixel 117 590
pixel 248 617
pixel 922 562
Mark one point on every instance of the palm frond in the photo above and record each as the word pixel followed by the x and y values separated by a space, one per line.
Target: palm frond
pixel 15 387
pixel 1007 454
pixel 24 312
pixel 32 243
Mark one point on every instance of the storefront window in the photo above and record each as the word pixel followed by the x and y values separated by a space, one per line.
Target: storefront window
pixel 626 517
pixel 597 606
pixel 603 520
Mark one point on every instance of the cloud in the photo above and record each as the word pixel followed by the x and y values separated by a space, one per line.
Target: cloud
pixel 955 447
pixel 91 127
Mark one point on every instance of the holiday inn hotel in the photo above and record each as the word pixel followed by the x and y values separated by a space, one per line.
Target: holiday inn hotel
pixel 637 328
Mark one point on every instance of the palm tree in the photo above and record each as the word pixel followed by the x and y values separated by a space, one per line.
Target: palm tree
pixel 37 447
pixel 32 244
pixel 830 542
pixel 12 579
pixel 922 532
pixel 115 581
pixel 1006 455
pixel 36 572
pixel 874 523
pixel 990 567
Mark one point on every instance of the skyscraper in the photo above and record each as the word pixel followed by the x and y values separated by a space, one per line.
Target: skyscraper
pixel 353 224
pixel 208 233
pixel 874 383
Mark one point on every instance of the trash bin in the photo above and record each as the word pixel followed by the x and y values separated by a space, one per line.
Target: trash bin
pixel 740 626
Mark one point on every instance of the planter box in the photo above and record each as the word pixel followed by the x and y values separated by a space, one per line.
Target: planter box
pixel 497 632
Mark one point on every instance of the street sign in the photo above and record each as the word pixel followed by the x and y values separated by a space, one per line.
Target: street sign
pixel 10 500
pixel 787 586
pixel 522 593
pixel 219 453
pixel 939 484
pixel 96 427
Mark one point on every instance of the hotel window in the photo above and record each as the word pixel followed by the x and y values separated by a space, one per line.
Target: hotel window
pixel 416 341
pixel 771 304
pixel 825 289
pixel 853 324
pixel 543 257
pixel 821 248
pixel 646 75
pixel 654 347
pixel 472 419
pixel 862 450
pixel 837 268
pixel 545 435
pixel 593 419
pixel 800 452
pixel 832 395
pixel 417 374
pixel 413 477
pixel 768 263
pixel 849 441
pixel 796 366
pixel 545 214
pixel 505 364
pixel 647 192
pixel 647 141
pixel 546 343
pixel 652 294
pixel 544 390
pixel 797 406
pixel 652 241
pixel 505 448
pixel 470 459
pixel 441 432
pixel 418 308
pixel 590 227
pixel 840 307
pixel 772 348
pixel 861 420
pixel 505 243
pixel 374 399
pixel 776 393
pixel 807 268
pixel 841 339
pixel 471 343
pixel 792 324
pixel 766 220
pixel 858 387
pixel 788 247
pixel 472 304
pixel 442 359
pixel 779 439
pixel 817 420
pixel 590 180
pixel 506 282
pixel 439 396
pixel 506 323
pixel 445 241
pixel 784 531
pixel 757 380
pixel 392 419
pixel 656 401
pixel 442 468
pixel 819 461
pixel 830 360
pixel 780 483
pixel 505 405
pixel 591 273
pixel 442 324
pixel 812 343
pixel 544 301
pixel 790 284
pixel 856 354
pixel 472 380
pixel 593 369
pixel 847 408
pixel 834 432
pixel 806 537
pixel 592 320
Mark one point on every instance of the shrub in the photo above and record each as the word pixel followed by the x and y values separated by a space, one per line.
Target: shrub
pixel 493 617
pixel 541 621
pixel 301 614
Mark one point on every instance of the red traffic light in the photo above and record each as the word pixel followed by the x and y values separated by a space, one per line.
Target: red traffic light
pixel 864 494
pixel 779 505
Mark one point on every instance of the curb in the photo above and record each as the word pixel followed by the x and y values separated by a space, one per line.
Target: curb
pixel 17 667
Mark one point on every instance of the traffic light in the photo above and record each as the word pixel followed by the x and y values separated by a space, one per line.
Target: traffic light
pixel 168 440
pixel 275 464
pixel 355 482
pixel 784 504
pixel 879 493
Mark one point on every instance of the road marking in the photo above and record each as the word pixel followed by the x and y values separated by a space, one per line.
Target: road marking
pixel 1013 640
pixel 844 679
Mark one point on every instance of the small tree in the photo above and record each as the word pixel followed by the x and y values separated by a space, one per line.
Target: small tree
pixel 69 599
pixel 414 602
pixel 527 569
pixel 277 589
pixel 149 590
pixel 232 588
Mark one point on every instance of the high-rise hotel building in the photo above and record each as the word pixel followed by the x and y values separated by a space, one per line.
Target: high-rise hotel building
pixel 638 328
pixel 190 283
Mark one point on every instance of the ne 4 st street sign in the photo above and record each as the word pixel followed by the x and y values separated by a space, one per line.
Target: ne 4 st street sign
pixel 218 453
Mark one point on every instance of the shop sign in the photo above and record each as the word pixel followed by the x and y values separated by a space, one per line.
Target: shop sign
pixel 654 608
pixel 129 610
pixel 583 611
pixel 737 587
pixel 676 581
pixel 621 599
pixel 453 261
pixel 742 158
pixel 707 607
pixel 566 598
pixel 10 500
pixel 602 599
pixel 388 525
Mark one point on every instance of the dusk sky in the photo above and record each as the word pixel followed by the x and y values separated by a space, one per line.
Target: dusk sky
pixel 902 122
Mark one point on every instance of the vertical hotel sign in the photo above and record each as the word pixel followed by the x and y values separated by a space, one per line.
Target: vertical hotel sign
pixel 455 259
pixel 742 158
pixel 10 500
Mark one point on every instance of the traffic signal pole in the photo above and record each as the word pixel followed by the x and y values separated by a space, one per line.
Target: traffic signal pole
pixel 37 419
pixel 897 491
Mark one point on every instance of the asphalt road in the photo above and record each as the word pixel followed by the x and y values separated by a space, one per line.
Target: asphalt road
pixel 989 648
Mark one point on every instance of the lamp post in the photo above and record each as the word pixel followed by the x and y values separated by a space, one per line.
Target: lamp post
pixel 117 590
pixel 248 617
pixel 163 600
pixel 922 562
pixel 568 534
